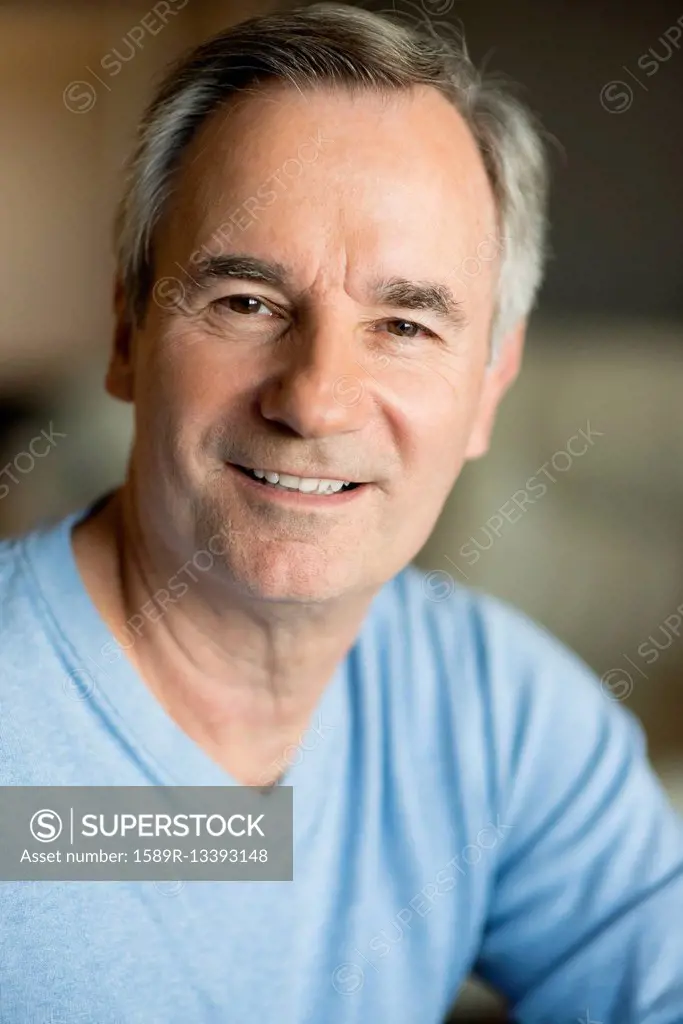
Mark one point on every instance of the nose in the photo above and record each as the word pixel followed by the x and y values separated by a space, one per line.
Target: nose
pixel 321 387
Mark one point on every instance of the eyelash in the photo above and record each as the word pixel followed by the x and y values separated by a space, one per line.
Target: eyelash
pixel 413 323
pixel 222 304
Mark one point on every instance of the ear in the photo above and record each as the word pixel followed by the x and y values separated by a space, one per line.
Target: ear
pixel 119 379
pixel 499 375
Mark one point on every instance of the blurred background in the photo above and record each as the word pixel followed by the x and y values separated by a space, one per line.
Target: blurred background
pixel 576 515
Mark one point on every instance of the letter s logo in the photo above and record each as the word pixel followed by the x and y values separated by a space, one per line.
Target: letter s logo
pixel 46 826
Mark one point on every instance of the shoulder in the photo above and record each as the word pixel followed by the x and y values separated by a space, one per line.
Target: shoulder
pixel 23 606
pixel 21 640
pixel 13 589
pixel 510 648
pixel 494 671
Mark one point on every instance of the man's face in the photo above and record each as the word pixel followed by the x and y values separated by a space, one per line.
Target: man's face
pixel 326 369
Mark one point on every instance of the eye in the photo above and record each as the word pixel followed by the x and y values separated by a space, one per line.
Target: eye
pixel 243 304
pixel 408 329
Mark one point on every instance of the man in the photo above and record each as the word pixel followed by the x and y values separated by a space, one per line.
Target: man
pixel 466 798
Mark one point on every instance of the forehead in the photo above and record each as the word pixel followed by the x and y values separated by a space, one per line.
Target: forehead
pixel 331 176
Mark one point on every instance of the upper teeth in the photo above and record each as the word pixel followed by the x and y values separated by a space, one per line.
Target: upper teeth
pixel 308 485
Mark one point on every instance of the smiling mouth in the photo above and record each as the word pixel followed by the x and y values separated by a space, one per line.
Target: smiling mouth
pixel 301 485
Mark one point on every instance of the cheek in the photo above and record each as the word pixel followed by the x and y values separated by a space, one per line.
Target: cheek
pixel 168 407
pixel 438 418
pixel 179 384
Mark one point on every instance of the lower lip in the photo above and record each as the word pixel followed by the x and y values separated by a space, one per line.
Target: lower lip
pixel 297 499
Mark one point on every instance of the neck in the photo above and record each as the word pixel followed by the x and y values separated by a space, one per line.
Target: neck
pixel 242 677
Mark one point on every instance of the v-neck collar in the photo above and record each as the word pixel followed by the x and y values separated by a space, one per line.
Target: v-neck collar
pixel 166 754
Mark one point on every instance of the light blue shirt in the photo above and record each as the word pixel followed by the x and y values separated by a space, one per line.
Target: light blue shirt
pixel 467 798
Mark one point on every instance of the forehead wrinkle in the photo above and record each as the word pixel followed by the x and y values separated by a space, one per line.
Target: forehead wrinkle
pixel 341 237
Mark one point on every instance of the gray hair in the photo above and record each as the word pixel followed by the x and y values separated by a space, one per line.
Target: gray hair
pixel 339 45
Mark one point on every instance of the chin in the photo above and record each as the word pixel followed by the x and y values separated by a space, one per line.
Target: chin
pixel 272 564
pixel 285 574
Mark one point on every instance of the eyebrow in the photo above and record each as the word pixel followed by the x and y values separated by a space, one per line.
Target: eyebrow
pixel 244 268
pixel 432 296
